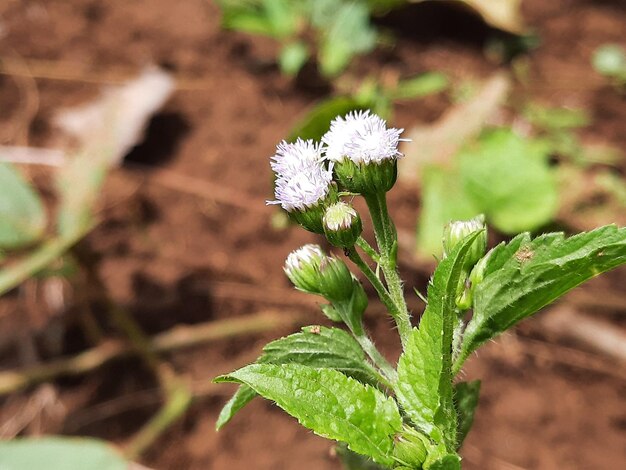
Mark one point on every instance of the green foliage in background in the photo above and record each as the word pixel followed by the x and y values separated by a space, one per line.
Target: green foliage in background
pixel 334 31
pixel 22 216
pixel 56 453
pixel 502 175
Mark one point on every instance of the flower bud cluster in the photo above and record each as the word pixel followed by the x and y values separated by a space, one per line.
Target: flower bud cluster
pixel 359 154
pixel 312 271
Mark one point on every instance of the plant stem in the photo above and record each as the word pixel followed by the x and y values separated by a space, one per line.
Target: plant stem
pixel 381 290
pixel 387 240
pixel 389 374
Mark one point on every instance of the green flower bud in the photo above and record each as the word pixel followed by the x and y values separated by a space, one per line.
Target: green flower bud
pixel 336 280
pixel 455 232
pixel 303 268
pixel 410 448
pixel 464 293
pixel 366 178
pixel 312 271
pixel 342 225
pixel 478 271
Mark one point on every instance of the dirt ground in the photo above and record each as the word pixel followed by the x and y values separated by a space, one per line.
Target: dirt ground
pixel 173 254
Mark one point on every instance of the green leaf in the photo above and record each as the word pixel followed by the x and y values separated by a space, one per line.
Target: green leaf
pixel 292 57
pixel 509 180
pixel 449 462
pixel 424 387
pixel 525 275
pixel 349 33
pixel 329 403
pixel 22 216
pixel 56 453
pixel 420 86
pixel 315 346
pixel 465 401
pixel 317 122
pixel 240 398
pixel 556 118
pixel 443 200
pixel 321 347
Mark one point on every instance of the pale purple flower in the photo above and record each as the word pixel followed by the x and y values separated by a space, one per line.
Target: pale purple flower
pixel 362 137
pixel 302 181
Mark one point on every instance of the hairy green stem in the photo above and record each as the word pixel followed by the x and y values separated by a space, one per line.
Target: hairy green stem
pixel 389 374
pixel 387 240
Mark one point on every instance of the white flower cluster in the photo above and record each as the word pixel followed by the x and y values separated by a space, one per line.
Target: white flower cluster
pixel 303 178
pixel 363 138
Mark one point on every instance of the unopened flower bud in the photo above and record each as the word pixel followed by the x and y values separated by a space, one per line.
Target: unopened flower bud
pixel 342 225
pixel 303 268
pixel 336 280
pixel 410 448
pixel 312 271
pixel 455 232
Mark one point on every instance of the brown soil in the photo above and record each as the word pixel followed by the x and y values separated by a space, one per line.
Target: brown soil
pixel 174 257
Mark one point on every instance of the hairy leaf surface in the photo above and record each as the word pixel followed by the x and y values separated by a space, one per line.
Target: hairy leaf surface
pixel 465 401
pixel 424 386
pixel 525 275
pixel 315 346
pixel 330 404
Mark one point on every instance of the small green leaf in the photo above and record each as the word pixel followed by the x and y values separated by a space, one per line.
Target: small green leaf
pixel 420 86
pixel 509 180
pixel 56 453
pixel 22 216
pixel 465 401
pixel 292 57
pixel 449 462
pixel 317 122
pixel 240 398
pixel 315 346
pixel 424 387
pixel 525 275
pixel 330 404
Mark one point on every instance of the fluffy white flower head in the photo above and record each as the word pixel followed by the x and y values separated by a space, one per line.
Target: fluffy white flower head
pixel 302 190
pixel 301 179
pixel 306 255
pixel 362 137
pixel 292 158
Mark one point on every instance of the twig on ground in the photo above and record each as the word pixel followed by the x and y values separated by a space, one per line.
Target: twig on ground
pixel 596 334
pixel 177 338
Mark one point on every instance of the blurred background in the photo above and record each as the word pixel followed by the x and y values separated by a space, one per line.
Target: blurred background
pixel 138 259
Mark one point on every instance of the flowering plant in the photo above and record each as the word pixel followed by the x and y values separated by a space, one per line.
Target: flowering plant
pixel 415 414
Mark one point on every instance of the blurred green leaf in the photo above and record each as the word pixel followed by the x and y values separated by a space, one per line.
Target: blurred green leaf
pixel 275 18
pixel 292 57
pixel 422 85
pixel 22 216
pixel 56 453
pixel 509 180
pixel 349 33
pixel 443 200
pixel 549 118
pixel 317 122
